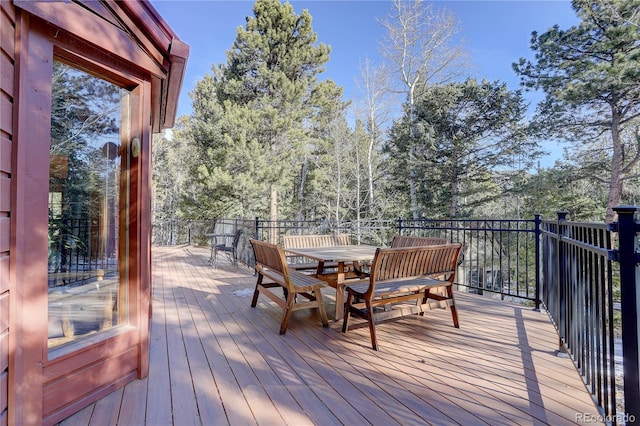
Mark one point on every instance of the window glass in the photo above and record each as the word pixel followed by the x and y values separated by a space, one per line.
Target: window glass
pixel 87 196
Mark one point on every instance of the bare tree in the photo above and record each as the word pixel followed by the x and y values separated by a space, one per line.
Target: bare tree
pixel 374 110
pixel 422 50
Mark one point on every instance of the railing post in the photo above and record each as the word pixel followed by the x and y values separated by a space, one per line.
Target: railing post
pixel 561 266
pixel 257 228
pixel 630 304
pixel 399 226
pixel 537 261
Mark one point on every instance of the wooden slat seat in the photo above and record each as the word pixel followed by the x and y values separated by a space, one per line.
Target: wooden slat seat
pixel 400 275
pixel 405 285
pixel 271 264
pixel 301 282
pixel 308 266
pixel 303 241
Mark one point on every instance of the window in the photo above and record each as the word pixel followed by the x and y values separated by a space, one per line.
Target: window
pixel 87 259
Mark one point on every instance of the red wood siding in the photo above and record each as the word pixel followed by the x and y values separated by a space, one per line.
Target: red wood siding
pixel 97 32
pixel 7 61
pixel 129 45
pixel 103 375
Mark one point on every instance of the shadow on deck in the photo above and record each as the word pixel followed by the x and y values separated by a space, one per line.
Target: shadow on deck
pixel 215 360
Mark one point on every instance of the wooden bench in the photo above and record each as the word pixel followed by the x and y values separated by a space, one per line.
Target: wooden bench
pixel 413 241
pixel 401 275
pixel 271 264
pixel 303 241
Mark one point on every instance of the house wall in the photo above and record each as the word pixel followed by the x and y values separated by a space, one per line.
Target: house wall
pixel 139 51
pixel 7 61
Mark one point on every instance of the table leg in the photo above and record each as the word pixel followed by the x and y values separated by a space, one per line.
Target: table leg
pixel 340 292
pixel 337 283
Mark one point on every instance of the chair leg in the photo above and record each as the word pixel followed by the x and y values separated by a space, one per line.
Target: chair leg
pixel 424 300
pixel 287 312
pixel 339 302
pixel 256 292
pixel 317 292
pixel 454 312
pixel 347 313
pixel 372 325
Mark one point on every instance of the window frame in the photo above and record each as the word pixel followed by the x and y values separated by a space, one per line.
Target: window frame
pixel 52 385
pixel 123 216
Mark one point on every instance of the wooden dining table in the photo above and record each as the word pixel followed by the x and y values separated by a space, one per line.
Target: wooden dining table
pixel 348 258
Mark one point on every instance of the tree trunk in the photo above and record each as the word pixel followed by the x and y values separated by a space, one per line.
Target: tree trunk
pixel 413 190
pixel 453 208
pixel 273 212
pixel 303 179
pixel 339 180
pixel 372 139
pixel 615 185
pixel 414 196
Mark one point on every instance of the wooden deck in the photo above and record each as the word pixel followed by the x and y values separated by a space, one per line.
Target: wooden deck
pixel 215 360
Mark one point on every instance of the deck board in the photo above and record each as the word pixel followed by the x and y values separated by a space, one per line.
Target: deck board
pixel 106 410
pixel 158 406
pixel 134 402
pixel 216 360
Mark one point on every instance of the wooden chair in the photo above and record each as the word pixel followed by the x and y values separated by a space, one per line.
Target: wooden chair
pixel 400 275
pixel 303 241
pixel 413 241
pixel 271 264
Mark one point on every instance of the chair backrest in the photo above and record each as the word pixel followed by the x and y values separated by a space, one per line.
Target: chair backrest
pixel 236 238
pixel 270 256
pixel 413 241
pixel 406 262
pixel 303 241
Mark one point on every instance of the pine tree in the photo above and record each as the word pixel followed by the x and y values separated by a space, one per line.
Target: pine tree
pixel 463 133
pixel 590 75
pixel 268 90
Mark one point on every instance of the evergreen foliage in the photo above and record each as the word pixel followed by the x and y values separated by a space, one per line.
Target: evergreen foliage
pixel 463 134
pixel 253 122
pixel 590 75
pixel 269 137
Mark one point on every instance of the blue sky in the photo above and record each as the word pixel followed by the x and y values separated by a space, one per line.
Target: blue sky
pixel 496 33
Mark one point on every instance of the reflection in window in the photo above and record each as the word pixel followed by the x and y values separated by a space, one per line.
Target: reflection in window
pixel 87 263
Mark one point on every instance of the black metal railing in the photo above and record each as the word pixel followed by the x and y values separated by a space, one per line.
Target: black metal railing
pixel 590 292
pixel 578 294
pixel 77 251
pixel 375 232
pixel 498 257
pixel 570 269
pixel 176 231
pixel 628 259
